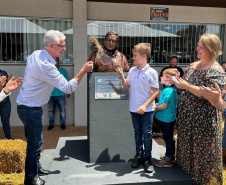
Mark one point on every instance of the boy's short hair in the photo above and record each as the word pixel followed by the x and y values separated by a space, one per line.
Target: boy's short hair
pixel 171 71
pixel 143 49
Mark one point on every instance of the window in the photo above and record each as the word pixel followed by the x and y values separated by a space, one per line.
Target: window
pixel 19 37
pixel 166 39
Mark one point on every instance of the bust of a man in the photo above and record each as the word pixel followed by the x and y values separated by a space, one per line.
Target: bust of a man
pixel 111 57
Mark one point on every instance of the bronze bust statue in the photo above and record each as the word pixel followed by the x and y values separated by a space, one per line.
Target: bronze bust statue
pixel 111 57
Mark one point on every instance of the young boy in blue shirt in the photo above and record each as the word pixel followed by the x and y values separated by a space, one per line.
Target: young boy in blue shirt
pixel 143 81
pixel 166 117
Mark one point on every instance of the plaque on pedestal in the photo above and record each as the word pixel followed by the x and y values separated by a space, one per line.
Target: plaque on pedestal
pixel 110 129
pixel 110 87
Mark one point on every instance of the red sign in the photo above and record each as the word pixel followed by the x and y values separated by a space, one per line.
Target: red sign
pixel 159 14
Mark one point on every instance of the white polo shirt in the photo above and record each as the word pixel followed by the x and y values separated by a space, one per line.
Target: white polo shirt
pixel 140 82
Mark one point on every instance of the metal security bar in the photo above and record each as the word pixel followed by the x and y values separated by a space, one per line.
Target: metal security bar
pixel 166 39
pixel 19 37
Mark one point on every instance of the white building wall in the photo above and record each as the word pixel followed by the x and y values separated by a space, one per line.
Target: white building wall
pixel 141 13
pixel 81 11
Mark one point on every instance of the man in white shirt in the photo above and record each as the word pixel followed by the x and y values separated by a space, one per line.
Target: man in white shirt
pixel 40 77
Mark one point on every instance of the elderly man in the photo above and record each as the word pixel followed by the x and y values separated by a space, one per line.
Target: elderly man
pixel 40 77
pixel 111 58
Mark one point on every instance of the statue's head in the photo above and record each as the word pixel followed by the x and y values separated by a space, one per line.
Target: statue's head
pixel 111 40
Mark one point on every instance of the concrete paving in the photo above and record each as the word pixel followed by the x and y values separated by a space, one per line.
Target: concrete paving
pixel 70 167
pixel 46 160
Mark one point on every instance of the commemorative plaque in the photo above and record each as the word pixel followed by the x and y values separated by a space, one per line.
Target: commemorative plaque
pixel 110 87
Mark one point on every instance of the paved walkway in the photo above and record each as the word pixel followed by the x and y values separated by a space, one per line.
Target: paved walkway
pixel 50 137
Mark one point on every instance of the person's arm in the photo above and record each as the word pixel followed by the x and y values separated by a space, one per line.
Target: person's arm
pixel 217 67
pixel 183 84
pixel 161 107
pixel 87 67
pixel 142 108
pixel 50 74
pixel 166 96
pixel 3 95
pixel 193 88
pixel 12 84
pixel 121 75
pixel 214 97
pixel 118 90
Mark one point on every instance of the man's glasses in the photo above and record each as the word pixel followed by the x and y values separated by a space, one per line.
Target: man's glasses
pixel 109 41
pixel 62 46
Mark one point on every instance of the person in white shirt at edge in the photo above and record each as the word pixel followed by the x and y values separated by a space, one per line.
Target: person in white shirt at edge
pixel 40 77
pixel 11 85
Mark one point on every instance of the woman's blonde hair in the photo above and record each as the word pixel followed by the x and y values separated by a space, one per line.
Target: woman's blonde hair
pixel 143 49
pixel 171 71
pixel 212 43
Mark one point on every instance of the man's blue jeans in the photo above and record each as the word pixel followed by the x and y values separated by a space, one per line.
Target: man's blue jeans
pixel 32 120
pixel 60 101
pixel 167 129
pixel 142 125
pixel 5 110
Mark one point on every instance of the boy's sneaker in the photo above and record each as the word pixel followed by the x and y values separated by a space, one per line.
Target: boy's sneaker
pixel 163 163
pixel 148 166
pixel 173 160
pixel 137 161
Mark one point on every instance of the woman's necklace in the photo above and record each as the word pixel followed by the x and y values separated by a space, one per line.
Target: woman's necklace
pixel 200 65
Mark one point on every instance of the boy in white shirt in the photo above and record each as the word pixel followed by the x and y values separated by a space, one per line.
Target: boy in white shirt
pixel 144 84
